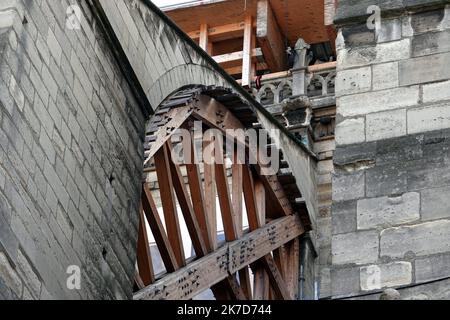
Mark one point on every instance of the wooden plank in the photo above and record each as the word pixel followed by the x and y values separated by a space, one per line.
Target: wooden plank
pixel 293 253
pixel 164 246
pixel 174 119
pixel 248 68
pixel 236 191
pixel 281 259
pixel 221 33
pixel 261 284
pixel 235 289
pixel 165 183
pixel 203 39
pixel 270 37
pixel 277 281
pixel 260 195
pixel 203 273
pixel 144 258
pixel 210 194
pixel 192 225
pixel 244 280
pixel 256 56
pixel 197 195
pixel 223 193
pixel 260 66
pixel 250 199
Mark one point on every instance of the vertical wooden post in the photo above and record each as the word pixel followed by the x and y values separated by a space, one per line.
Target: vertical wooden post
pixel 144 258
pixel 236 174
pixel 198 198
pixel 210 193
pixel 168 203
pixel 248 67
pixel 204 39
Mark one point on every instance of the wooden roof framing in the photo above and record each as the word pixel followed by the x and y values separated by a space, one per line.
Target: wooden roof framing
pixel 217 267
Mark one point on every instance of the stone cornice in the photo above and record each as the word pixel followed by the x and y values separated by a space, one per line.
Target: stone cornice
pixel 355 11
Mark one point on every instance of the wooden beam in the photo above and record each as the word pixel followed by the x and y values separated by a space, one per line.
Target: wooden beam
pixel 281 259
pixel 244 280
pixel 210 193
pixel 164 246
pixel 248 68
pixel 217 115
pixel 250 199
pixel 260 196
pixel 261 284
pixel 192 225
pixel 197 195
pixel 223 192
pixel 230 258
pixel 276 279
pixel 235 289
pixel 269 37
pixel 144 258
pixel 221 33
pixel 260 66
pixel 204 39
pixel 165 183
pixel 236 191
pixel 293 253
pixel 174 119
pixel 256 55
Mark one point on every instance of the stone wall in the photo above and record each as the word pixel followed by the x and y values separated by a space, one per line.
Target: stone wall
pixel 71 147
pixel 390 214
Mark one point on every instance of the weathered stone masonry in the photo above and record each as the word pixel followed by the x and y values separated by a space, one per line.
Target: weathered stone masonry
pixel 73 109
pixel 71 138
pixel 391 215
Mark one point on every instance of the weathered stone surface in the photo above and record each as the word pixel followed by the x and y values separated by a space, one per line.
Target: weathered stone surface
pixel 381 53
pixel 431 43
pixel 348 187
pixel 351 131
pixel 353 81
pixel 436 91
pixel 354 11
pixel 375 277
pixel 26 270
pixel 435 203
pixel 391 30
pixel 429 118
pixel 424 69
pixel 422 239
pixel 9 276
pixel 388 211
pixel 344 281
pixel 386 180
pixel 358 35
pixel 344 217
pixel 383 125
pixel 358 248
pixel 427 21
pixel 432 268
pixel 385 76
pixel 354 153
pixel 364 103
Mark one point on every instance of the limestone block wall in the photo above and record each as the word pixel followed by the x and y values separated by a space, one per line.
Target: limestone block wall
pixel 71 148
pixel 324 150
pixel 390 212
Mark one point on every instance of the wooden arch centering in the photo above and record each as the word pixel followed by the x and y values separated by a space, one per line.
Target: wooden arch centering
pixel 270 246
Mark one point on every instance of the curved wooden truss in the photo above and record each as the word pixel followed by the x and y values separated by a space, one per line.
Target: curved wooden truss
pixel 267 252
